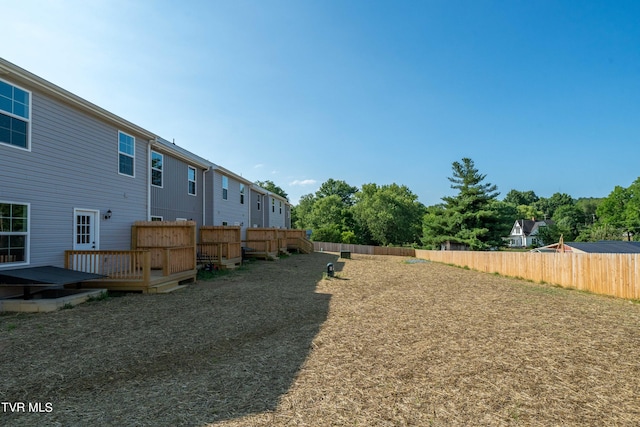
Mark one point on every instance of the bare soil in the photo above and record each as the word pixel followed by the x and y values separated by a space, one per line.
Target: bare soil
pixel 385 343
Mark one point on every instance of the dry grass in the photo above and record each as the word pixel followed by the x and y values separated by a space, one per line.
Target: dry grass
pixel 386 343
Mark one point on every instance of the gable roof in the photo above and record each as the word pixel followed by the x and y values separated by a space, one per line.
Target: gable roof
pixel 255 187
pixel 171 148
pixel 227 172
pixel 530 226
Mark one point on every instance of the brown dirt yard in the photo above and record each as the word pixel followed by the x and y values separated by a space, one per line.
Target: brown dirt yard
pixel 385 343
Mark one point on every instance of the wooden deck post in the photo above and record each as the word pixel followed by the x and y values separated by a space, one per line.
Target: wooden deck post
pixel 146 268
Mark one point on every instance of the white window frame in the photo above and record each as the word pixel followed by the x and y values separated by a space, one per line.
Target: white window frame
pixel 12 115
pixel 225 187
pixel 273 205
pixel 27 234
pixel 259 198
pixel 160 170
pixel 242 191
pixel 194 181
pixel 156 218
pixel 122 153
pixel 280 206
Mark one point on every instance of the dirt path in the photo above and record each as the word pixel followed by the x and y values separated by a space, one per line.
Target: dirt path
pixel 385 343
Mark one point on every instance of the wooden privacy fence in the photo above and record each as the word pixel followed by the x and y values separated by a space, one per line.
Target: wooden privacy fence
pixel 363 249
pixel 172 244
pixel 265 242
pixel 220 245
pixel 608 274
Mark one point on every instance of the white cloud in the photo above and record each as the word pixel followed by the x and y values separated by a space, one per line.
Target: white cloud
pixel 303 182
pixel 258 166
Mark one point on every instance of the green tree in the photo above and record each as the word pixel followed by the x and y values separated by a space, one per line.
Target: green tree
pixel 621 210
pixel 339 188
pixel 549 205
pixel 525 203
pixel 328 212
pixel 327 219
pixel 551 234
pixel 271 186
pixel 302 211
pixel 471 217
pixel 518 198
pixel 570 221
pixel 390 214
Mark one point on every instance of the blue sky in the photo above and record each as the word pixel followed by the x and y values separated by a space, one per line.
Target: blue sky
pixel 542 95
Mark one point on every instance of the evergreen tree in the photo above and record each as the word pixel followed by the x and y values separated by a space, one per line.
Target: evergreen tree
pixel 471 217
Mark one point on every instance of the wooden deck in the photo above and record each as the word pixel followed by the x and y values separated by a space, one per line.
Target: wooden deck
pixel 261 248
pixel 131 270
pixel 221 255
pixel 158 283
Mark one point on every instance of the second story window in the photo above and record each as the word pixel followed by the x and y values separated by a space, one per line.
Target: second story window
pixel 225 187
pixel 242 194
pixel 156 169
pixel 259 198
pixel 273 205
pixel 14 115
pixel 280 208
pixel 192 181
pixel 126 154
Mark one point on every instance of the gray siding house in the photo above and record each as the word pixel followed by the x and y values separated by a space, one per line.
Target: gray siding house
pixel 258 210
pixel 73 175
pixel 230 204
pixel 269 210
pixel 276 210
pixel 178 183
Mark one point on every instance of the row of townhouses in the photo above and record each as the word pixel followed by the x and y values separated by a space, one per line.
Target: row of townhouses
pixel 75 176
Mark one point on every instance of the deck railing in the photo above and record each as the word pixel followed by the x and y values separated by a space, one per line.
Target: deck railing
pixel 262 245
pixel 178 259
pixel 221 250
pixel 119 265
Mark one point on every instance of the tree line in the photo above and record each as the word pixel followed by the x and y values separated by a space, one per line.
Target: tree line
pixel 473 217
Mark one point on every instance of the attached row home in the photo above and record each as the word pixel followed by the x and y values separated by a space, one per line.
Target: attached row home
pixel 75 176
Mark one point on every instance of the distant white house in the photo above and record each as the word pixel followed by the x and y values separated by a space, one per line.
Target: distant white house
pixel 524 233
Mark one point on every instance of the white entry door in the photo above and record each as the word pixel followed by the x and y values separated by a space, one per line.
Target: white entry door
pixel 85 225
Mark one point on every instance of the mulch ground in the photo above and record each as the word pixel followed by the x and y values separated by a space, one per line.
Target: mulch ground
pixel 385 343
